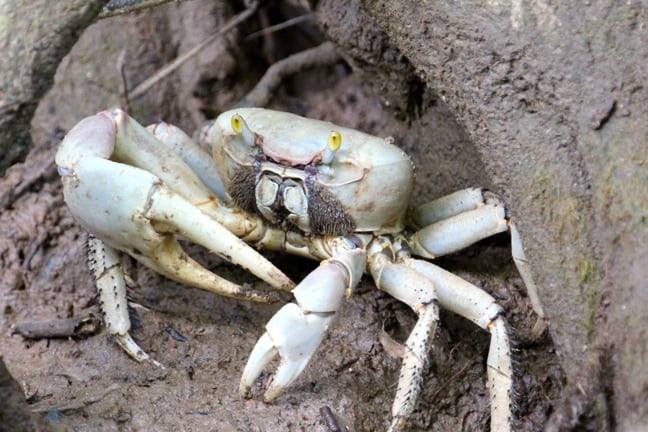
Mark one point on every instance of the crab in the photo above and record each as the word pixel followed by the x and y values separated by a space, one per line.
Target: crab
pixel 283 182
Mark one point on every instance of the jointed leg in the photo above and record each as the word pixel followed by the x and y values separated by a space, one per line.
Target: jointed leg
pixel 106 267
pixel 466 221
pixel 465 299
pixel 519 258
pixel 447 206
pixel 418 292
pixel 456 221
pixel 136 195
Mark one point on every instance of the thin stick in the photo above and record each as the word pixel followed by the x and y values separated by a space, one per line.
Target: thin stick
pixel 115 8
pixel 86 399
pixel 261 94
pixel 329 419
pixel 58 328
pixel 179 61
pixel 280 26
pixel 121 63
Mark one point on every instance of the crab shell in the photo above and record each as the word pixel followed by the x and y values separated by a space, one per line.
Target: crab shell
pixel 371 178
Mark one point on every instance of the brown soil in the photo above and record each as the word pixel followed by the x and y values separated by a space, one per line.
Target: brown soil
pixel 203 340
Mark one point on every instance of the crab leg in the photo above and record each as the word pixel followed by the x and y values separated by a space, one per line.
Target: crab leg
pixel 459 231
pixel 465 299
pixel 106 267
pixel 417 292
pixel 297 329
pixel 519 258
pixel 446 206
pixel 460 219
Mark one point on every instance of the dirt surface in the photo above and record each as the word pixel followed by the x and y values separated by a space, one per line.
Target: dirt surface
pixel 203 340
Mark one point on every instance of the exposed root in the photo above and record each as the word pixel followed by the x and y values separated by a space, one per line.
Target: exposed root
pixel 261 94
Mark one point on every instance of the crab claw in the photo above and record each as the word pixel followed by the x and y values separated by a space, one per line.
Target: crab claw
pixel 138 212
pixel 295 332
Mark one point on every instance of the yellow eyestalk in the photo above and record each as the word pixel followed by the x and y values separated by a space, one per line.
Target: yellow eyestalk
pixel 334 144
pixel 242 131
pixel 237 123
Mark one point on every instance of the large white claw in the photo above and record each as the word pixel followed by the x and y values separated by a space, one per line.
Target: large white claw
pixel 295 332
pixel 134 211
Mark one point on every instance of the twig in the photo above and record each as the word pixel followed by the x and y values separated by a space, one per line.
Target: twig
pixel 261 94
pixel 120 7
pixel 76 404
pixel 175 334
pixel 35 247
pixel 179 61
pixel 58 328
pixel 280 26
pixel 330 419
pixel 449 380
pixel 121 63
pixel 29 179
pixel 393 348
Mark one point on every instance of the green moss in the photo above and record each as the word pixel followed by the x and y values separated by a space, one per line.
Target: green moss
pixel 586 272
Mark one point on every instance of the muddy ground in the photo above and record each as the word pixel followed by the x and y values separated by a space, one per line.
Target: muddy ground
pixel 203 340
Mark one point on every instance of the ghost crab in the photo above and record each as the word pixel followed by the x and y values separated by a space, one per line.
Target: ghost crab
pixel 283 182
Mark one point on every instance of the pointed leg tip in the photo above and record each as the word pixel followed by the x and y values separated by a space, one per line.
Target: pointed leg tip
pixel 131 347
pixel 397 424
pixel 271 396
pixel 156 363
pixel 245 391
pixel 539 328
pixel 288 285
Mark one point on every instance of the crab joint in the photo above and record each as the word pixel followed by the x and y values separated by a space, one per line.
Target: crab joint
pixel 490 315
pixel 425 304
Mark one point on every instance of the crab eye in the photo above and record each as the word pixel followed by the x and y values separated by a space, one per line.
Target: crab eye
pixel 237 123
pixel 334 143
pixel 334 140
pixel 243 135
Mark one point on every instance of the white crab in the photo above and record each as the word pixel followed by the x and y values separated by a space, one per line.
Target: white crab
pixel 283 182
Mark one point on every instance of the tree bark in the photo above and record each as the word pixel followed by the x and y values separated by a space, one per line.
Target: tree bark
pixel 34 37
pixel 14 411
pixel 554 96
